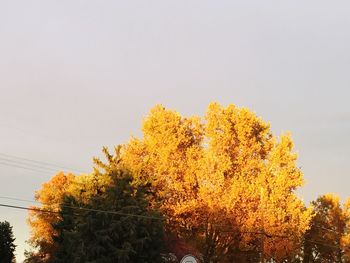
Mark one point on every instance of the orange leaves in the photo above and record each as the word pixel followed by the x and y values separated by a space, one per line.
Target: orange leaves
pixel 218 180
pixel 220 163
pixel 54 190
pixel 330 227
pixel 51 196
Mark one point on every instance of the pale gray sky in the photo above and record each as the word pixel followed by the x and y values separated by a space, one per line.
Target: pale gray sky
pixel 77 75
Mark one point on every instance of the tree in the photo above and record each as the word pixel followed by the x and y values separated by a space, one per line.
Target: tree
pixel 327 238
pixel 129 233
pixel 7 247
pixel 42 233
pixel 345 241
pixel 51 196
pixel 225 183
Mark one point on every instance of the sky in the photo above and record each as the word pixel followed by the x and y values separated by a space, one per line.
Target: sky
pixel 79 75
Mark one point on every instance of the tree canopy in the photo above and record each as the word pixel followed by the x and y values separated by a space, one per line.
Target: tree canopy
pixel 327 240
pixel 116 226
pixel 224 184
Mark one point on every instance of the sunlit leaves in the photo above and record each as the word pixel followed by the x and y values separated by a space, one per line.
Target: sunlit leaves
pixel 227 168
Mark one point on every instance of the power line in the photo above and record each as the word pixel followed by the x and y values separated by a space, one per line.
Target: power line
pixel 41 164
pixel 79 209
pixel 6 159
pixel 29 208
pixel 26 166
pixel 23 167
pixel 222 227
pixel 19 199
pixel 143 216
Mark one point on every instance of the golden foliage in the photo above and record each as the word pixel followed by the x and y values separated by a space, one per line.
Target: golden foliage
pixel 50 196
pixel 327 240
pixel 227 168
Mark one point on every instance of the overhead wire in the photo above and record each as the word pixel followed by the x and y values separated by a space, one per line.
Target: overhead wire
pixel 108 211
pixel 29 208
pixel 21 161
pixel 24 167
pixel 40 166
pixel 34 165
pixel 77 208
pixel 20 199
pixel 41 210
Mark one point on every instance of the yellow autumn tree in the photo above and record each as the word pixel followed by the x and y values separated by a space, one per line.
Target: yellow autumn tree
pixel 225 183
pixel 41 218
pixel 327 240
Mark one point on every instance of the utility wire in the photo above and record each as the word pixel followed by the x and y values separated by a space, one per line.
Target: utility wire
pixel 147 217
pixel 223 230
pixel 40 166
pixel 12 160
pixel 37 163
pixel 142 216
pixel 29 208
pixel 79 209
pixel 23 167
pixel 19 199
pixel 16 164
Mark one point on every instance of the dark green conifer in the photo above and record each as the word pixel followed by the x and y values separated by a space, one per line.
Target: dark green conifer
pixel 97 236
pixel 7 247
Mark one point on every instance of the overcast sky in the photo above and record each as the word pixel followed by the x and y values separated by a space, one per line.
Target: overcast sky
pixel 77 75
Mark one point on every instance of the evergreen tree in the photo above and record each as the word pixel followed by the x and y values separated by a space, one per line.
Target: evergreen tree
pixel 7 247
pixel 92 235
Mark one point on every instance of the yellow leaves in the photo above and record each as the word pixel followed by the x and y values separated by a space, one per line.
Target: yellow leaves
pixel 168 126
pixel 236 132
pixel 87 185
pixel 331 225
pixel 224 169
pixel 50 195
pixel 211 178
pixel 53 191
pixel 168 148
pixel 220 163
